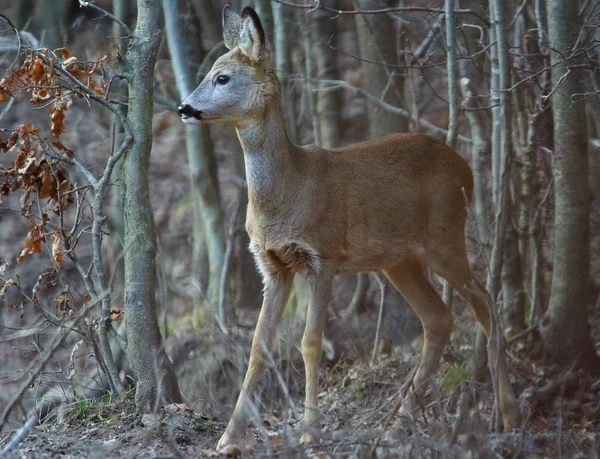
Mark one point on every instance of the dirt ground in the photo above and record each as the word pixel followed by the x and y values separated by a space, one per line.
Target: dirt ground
pixel 360 420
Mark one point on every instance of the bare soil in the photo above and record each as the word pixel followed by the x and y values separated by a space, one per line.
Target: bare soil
pixel 360 420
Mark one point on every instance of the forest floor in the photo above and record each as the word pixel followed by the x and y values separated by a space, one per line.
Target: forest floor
pixel 561 415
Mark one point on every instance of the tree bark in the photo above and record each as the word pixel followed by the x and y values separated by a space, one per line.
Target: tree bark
pixel 567 313
pixel 374 33
pixel 54 16
pixel 310 86
pixel 452 101
pixel 151 366
pixel 210 25
pixel 283 50
pixel 22 12
pixel 208 215
pixel 502 123
pixel 322 28
pixel 472 88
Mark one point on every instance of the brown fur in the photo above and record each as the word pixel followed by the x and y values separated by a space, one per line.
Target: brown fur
pixel 396 204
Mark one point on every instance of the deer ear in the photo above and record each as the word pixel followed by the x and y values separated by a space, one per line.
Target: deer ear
pixel 232 26
pixel 252 35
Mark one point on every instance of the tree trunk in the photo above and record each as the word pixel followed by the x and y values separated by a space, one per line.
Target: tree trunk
pixel 208 215
pixel 452 101
pixel 22 12
pixel 210 25
pixel 263 8
pixel 375 33
pixel 310 86
pixel 118 91
pixel 54 16
pixel 567 314
pixel 149 362
pixel 471 85
pixel 283 50
pixel 322 28
pixel 502 123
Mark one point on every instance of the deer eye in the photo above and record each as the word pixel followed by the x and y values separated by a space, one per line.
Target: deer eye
pixel 222 79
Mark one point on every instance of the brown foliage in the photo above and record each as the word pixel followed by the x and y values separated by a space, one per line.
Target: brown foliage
pixel 38 168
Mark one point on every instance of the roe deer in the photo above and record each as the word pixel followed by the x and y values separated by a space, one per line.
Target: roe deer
pixel 395 204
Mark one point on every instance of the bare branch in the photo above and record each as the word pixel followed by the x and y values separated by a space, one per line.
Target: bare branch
pixel 36 366
pixel 376 100
pixel 405 9
pixel 20 436
pixel 125 27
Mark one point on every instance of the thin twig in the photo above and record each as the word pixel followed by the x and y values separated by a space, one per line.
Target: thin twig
pixel 379 317
pixel 390 108
pixel 20 436
pixel 405 9
pixel 109 15
pixel 36 366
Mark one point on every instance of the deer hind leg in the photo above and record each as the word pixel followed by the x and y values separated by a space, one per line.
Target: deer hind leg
pixel 277 290
pixel 453 265
pixel 312 342
pixel 410 280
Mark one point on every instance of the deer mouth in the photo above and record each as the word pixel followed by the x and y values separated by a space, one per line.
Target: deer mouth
pixel 189 115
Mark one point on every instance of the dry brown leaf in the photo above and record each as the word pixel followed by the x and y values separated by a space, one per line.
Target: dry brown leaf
pixel 71 366
pixel 8 284
pixel 56 250
pixel 33 242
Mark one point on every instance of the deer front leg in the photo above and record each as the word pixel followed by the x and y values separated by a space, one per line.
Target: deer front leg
pixel 277 291
pixel 312 343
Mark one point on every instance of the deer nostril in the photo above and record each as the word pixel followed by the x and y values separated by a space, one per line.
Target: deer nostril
pixel 183 109
pixel 187 110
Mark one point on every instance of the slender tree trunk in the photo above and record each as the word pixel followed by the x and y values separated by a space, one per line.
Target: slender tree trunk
pixel 375 43
pixel 310 86
pixel 210 26
pixel 265 12
pixel 22 12
pixel 503 124
pixel 593 105
pixel 452 100
pixel 208 215
pixel 496 115
pixel 283 50
pixel 513 289
pixel 567 313
pixel 328 109
pixel 115 221
pixel 151 366
pixel 472 88
pixel 502 149
pixel 54 18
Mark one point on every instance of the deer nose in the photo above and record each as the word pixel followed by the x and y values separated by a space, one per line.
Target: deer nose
pixel 187 110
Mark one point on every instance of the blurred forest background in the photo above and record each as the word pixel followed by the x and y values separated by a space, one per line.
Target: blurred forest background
pixel 95 230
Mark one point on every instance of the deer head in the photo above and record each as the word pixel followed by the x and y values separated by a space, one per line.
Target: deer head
pixel 242 84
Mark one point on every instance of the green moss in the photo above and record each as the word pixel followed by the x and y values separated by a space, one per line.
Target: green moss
pixel 356 385
pixel 455 374
pixel 201 425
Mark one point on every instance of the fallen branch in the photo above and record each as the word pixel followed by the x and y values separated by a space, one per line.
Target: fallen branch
pixel 20 436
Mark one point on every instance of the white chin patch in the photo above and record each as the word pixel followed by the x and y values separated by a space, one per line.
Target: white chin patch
pixel 190 120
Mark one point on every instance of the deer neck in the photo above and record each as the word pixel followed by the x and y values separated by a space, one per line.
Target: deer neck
pixel 268 158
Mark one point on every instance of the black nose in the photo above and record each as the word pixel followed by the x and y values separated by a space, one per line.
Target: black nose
pixel 187 110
